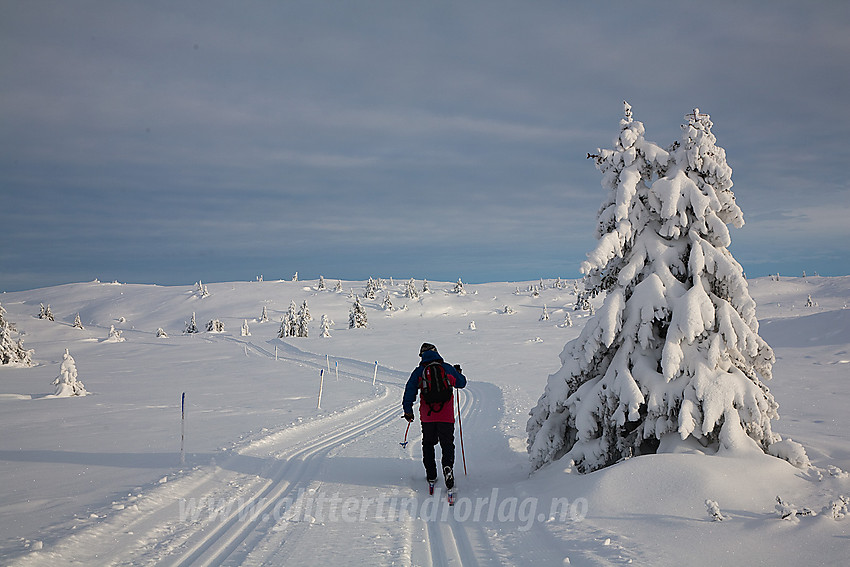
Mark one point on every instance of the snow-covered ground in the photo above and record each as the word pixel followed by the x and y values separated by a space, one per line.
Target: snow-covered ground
pixel 269 478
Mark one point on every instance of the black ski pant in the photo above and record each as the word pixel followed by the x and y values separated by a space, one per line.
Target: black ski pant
pixel 437 432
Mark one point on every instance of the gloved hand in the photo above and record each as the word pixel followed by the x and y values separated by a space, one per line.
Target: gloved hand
pixel 457 367
pixel 408 417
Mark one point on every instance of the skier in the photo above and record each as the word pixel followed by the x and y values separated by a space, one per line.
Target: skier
pixel 437 418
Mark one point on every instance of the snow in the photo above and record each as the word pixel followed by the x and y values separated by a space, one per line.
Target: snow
pixel 270 478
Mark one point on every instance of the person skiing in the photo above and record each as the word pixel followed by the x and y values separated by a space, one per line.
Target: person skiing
pixel 437 417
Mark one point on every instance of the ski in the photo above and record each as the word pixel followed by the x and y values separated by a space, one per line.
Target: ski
pixel 431 484
pixel 451 496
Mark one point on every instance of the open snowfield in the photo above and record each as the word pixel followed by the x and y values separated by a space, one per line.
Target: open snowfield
pixel 270 479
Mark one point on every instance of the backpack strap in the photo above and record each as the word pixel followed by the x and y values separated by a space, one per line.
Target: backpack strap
pixel 432 410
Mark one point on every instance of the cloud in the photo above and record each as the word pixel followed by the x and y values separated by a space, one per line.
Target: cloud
pixel 300 129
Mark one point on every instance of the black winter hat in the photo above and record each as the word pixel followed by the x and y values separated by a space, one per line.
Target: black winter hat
pixel 426 346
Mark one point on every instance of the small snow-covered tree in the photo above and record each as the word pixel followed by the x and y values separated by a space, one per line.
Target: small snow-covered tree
pixel 410 291
pixel 114 335
pixel 215 326
pixel 161 334
pixel 66 383
pixel 303 320
pixel 326 326
pixel 290 320
pixel 582 302
pixel 201 290
pixel 11 351
pixel 304 312
pixel 387 303
pixel 192 326
pixel 674 349
pixel 338 286
pixel 713 509
pixel 264 316
pixel 458 289
pixel 357 316
pixel 371 289
pixel 426 287
pixel 77 323
pixel 246 332
pixel 568 321
pixel 46 313
pixel 321 285
pixel 545 315
pixel 295 277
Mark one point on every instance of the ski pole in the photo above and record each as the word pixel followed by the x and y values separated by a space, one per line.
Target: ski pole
pixel 460 425
pixel 404 443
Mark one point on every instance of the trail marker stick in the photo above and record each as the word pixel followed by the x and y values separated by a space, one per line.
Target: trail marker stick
pixel 328 359
pixel 336 366
pixel 375 376
pixel 275 352
pixel 321 385
pixel 182 428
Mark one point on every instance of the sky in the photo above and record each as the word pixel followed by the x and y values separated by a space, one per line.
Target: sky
pixel 171 142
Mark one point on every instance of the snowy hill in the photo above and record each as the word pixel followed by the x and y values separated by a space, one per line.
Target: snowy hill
pixel 270 478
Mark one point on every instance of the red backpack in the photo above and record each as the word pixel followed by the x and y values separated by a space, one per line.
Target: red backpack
pixel 435 386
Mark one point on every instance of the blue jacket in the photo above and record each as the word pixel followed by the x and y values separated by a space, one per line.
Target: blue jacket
pixel 411 390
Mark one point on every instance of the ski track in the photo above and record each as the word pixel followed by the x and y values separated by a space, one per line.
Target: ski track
pixel 150 531
pixel 275 466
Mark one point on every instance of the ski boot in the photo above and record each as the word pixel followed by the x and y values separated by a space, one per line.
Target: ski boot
pixel 450 484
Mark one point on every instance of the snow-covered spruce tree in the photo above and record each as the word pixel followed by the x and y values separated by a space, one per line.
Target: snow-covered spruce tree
pixel 114 335
pixel 201 290
pixel 321 286
pixel 426 287
pixel 338 286
pixel 326 326
pixel 582 302
pixel 289 328
pixel 675 348
pixel 387 303
pixel 66 383
pixel 357 315
pixel 371 289
pixel 246 332
pixel 459 288
pixel 77 323
pixel 192 326
pixel 11 351
pixel 410 291
pixel 46 313
pixel 303 321
pixel 161 334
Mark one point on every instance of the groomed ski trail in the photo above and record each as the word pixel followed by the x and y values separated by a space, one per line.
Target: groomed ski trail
pixel 227 513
